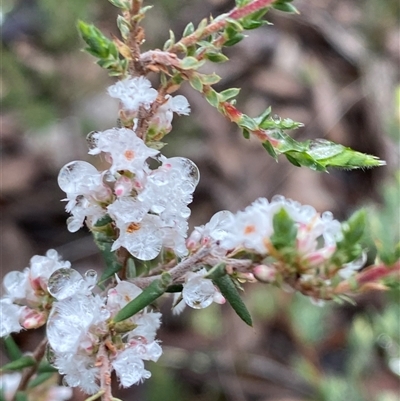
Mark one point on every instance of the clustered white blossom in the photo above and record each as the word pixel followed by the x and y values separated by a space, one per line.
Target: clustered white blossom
pixel 252 229
pixel 78 326
pixel 148 206
pixel 26 300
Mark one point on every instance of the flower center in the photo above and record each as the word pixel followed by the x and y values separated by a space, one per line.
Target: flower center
pixel 133 227
pixel 249 229
pixel 129 155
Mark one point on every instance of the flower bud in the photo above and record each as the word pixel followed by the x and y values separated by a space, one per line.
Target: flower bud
pixel 264 273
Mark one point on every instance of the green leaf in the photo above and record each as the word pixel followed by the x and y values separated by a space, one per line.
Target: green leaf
pixel 303 159
pixel 248 123
pixel 216 57
pixel 285 230
pixel 124 26
pixel 228 94
pixel 349 247
pixel 103 235
pixel 234 39
pixel 234 24
pixel 285 7
pixel 98 44
pixel 123 4
pixel 148 296
pixel 231 294
pixel 45 367
pixel 263 116
pixel 217 271
pixel 209 79
pixel 246 133
pixel 270 149
pixel 212 97
pixel 334 155
pixel 189 29
pixel 241 3
pixel 21 396
pixel 12 348
pixel 19 364
pixel 353 230
pixel 190 63
pixel 254 20
pixel 196 83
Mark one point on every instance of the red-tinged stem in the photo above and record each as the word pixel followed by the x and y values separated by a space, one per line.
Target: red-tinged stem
pixel 29 372
pixel 218 24
pixel 374 273
pixel 105 373
pixel 369 276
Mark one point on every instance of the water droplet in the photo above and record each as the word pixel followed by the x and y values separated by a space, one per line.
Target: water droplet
pixel 91 278
pixel 64 283
pixel 91 139
pixel 187 167
pixel 278 199
pixel 72 174
pixel 50 355
pixel 327 216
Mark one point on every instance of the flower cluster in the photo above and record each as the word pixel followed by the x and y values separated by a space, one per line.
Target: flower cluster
pixel 148 206
pixel 136 93
pixel 252 230
pixel 27 302
pixel 78 326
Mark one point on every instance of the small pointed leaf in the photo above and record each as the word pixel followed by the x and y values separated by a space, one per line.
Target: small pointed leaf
pixel 19 364
pixel 148 296
pixel 231 294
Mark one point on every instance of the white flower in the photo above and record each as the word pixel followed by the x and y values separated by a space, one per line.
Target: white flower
pixel 133 93
pixel 79 370
pixel 76 323
pixel 349 269
pixel 142 240
pixel 8 384
pixel 26 301
pixel 129 368
pixel 127 151
pixel 127 210
pixel 85 191
pixel 199 292
pixel 162 119
pixel 250 227
pixel 214 234
pixel 9 317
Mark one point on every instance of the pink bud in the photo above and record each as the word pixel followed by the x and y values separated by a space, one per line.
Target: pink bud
pixel 264 273
pixel 32 319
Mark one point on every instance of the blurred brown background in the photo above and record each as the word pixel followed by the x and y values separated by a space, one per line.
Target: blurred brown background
pixel 334 67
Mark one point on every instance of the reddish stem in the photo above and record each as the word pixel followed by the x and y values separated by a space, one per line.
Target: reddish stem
pixel 218 24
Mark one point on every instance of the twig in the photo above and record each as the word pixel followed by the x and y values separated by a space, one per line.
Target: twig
pixel 220 23
pixel 28 373
pixel 178 271
pixel 105 373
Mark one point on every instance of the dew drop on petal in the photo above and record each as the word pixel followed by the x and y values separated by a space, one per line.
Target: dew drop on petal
pixel 50 355
pixel 72 173
pixel 327 216
pixel 64 283
pixel 188 168
pixel 91 139
pixel 90 278
pixel 278 199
